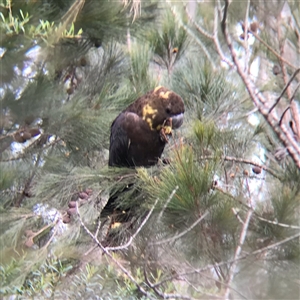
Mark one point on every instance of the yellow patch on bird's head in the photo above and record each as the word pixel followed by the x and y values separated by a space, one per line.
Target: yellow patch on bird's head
pixel 165 95
pixel 149 114
pixel 157 88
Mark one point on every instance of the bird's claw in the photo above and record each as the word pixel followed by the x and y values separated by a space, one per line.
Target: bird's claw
pixel 166 130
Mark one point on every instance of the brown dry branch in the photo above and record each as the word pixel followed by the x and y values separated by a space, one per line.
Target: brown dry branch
pixel 243 161
pixel 237 215
pixel 296 114
pixel 197 26
pixel 216 40
pixel 272 50
pixel 213 37
pixel 258 99
pixel 284 90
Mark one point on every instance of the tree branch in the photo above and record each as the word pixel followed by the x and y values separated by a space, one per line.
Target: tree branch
pixel 241 257
pixel 238 251
pixel 175 237
pixel 126 245
pixel 284 89
pixel 244 161
pixel 106 251
pixel 282 132
pixel 271 49
pixel 161 294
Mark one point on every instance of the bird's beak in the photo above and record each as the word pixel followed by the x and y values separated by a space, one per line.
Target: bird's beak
pixel 177 121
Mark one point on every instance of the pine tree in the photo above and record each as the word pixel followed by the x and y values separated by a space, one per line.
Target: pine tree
pixel 221 220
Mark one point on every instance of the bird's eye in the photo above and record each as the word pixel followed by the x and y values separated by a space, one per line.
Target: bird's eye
pixel 168 110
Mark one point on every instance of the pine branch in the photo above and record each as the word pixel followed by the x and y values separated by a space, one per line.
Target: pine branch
pixel 107 252
pixel 181 234
pixel 272 50
pixel 246 44
pixel 224 263
pixel 284 90
pixel 197 26
pixel 126 245
pixel 216 39
pixel 190 32
pixel 282 132
pixel 161 294
pixel 167 203
pixel 213 37
pixel 237 253
pixel 257 215
pixel 243 161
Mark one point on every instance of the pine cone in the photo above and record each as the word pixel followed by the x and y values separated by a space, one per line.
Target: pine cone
pixel 256 170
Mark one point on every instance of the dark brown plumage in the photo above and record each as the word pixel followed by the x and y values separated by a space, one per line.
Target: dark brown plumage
pixel 140 132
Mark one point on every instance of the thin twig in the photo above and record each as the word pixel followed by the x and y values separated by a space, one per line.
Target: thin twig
pixel 255 213
pixel 216 39
pixel 243 161
pixel 198 27
pixel 246 44
pixel 284 89
pixel 281 131
pixel 167 203
pixel 249 193
pixel 272 50
pixel 278 223
pixel 126 245
pixel 295 92
pixel 161 294
pixel 220 264
pixel 224 284
pixel 175 237
pixel 190 32
pixel 237 215
pixel 238 251
pixel 283 114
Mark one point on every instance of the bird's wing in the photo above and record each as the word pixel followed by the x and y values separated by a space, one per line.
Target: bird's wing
pixel 126 128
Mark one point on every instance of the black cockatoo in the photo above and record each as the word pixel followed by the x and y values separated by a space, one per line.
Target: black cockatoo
pixel 140 132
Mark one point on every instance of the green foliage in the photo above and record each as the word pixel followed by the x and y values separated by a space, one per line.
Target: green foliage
pixel 8 272
pixel 169 43
pixel 206 93
pixel 40 280
pixel 67 70
pixel 140 78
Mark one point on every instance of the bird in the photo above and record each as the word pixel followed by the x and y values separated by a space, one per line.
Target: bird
pixel 140 132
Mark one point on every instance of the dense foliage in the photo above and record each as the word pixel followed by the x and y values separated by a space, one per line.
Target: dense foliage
pixel 221 220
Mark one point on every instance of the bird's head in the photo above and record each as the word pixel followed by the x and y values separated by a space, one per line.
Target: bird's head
pixel 160 105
